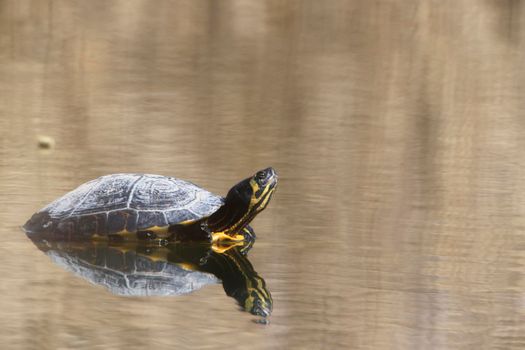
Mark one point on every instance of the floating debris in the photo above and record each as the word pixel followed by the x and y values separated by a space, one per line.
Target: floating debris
pixel 45 142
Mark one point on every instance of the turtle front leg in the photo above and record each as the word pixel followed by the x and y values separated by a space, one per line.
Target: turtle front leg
pixel 243 239
pixel 246 235
pixel 221 237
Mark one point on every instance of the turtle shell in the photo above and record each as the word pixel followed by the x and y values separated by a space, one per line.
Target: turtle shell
pixel 127 272
pixel 132 269
pixel 125 203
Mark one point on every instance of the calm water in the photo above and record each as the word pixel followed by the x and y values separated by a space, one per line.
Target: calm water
pixel 396 128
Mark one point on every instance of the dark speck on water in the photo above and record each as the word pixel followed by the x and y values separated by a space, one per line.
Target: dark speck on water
pixel 46 142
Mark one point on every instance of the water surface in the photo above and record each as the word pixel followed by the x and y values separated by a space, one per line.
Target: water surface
pixel 396 128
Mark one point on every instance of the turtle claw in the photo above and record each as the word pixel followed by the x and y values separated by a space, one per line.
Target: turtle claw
pixel 249 234
pixel 246 248
pixel 245 240
pixel 249 240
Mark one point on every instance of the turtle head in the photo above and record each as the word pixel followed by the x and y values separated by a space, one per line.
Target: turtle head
pixel 262 185
pixel 254 193
pixel 245 200
pixel 259 301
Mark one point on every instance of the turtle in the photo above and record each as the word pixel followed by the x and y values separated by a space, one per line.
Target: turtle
pixel 140 269
pixel 154 207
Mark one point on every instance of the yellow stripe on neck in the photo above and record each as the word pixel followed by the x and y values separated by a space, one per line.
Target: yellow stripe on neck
pixel 253 202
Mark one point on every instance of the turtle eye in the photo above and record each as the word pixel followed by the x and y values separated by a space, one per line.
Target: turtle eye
pixel 261 175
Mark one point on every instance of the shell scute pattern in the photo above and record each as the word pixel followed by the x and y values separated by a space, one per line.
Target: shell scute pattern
pixel 133 275
pixel 162 193
pixel 65 205
pixel 131 202
pixel 180 215
pixel 111 192
pixel 92 224
pixel 202 206
pixel 121 220
pixel 151 218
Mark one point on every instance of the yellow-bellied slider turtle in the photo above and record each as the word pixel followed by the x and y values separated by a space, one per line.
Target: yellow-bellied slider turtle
pixel 144 206
pixel 137 269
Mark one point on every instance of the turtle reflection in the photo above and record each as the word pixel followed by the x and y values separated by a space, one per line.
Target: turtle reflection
pixel 173 269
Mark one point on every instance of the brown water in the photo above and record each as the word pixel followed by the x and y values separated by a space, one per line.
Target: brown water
pixel 396 128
